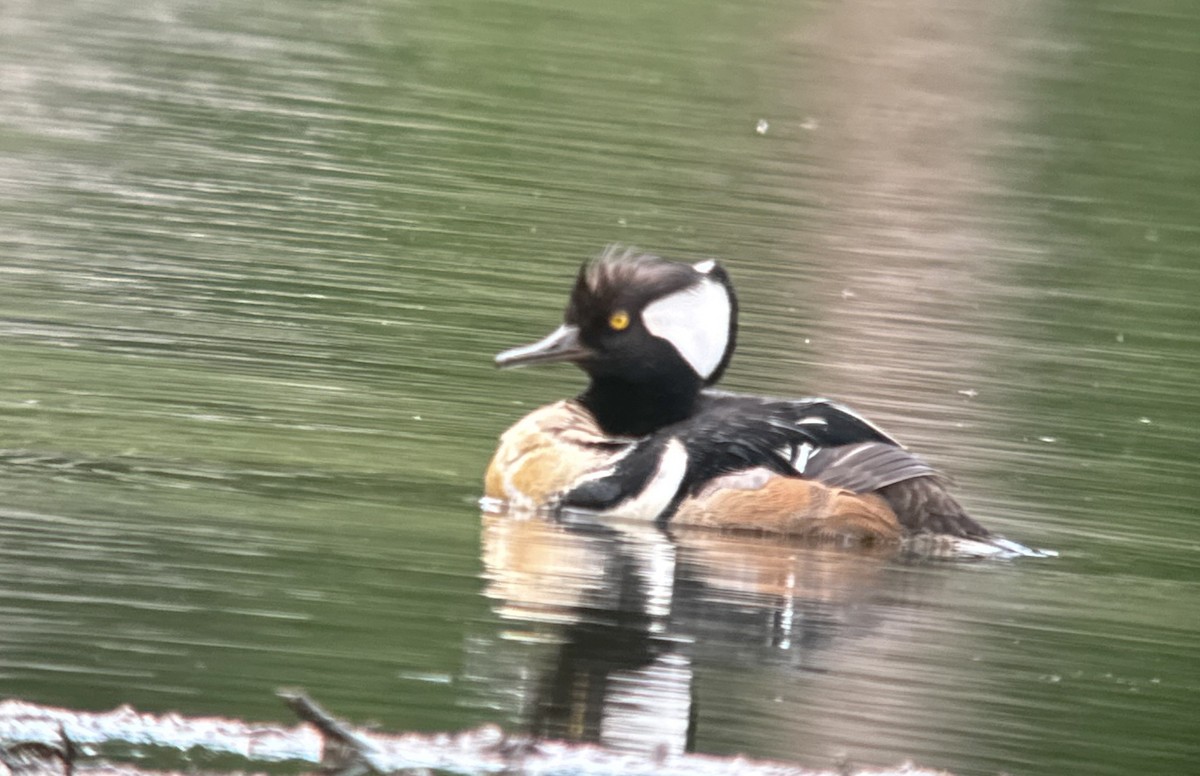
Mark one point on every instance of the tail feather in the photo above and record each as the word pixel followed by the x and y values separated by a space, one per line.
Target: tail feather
pixel 923 505
pixel 938 526
pixel 993 547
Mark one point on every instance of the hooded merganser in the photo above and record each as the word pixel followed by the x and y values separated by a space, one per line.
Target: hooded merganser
pixel 649 438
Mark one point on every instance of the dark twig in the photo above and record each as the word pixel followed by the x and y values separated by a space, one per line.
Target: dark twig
pixel 346 751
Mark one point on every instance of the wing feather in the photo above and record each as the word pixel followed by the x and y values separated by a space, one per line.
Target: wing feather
pixel 865 467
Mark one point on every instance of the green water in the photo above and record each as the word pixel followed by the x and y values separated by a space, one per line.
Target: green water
pixel 254 264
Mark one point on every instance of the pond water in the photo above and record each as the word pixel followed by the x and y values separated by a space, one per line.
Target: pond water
pixel 255 264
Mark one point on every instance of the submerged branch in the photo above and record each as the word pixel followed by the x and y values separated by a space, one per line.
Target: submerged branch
pixel 44 739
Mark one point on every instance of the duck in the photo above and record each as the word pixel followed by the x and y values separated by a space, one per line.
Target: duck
pixel 651 439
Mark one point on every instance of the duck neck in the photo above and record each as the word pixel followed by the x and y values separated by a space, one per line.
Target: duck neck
pixel 627 408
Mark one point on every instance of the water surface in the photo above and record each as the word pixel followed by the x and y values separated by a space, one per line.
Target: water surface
pixel 255 264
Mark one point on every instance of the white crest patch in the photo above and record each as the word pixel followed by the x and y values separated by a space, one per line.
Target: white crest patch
pixel 704 267
pixel 695 321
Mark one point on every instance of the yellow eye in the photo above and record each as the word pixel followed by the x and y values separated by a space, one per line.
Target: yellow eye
pixel 619 320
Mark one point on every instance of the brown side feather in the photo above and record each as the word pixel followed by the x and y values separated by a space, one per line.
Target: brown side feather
pixel 769 503
pixel 546 452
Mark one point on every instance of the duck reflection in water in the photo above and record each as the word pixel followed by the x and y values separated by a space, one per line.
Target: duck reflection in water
pixel 605 622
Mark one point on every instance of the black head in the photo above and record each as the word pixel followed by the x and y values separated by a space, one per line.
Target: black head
pixel 650 333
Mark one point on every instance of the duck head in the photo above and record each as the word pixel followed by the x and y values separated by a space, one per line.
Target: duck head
pixel 650 333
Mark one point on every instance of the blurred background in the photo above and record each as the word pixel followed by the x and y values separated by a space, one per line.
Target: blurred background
pixel 254 265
